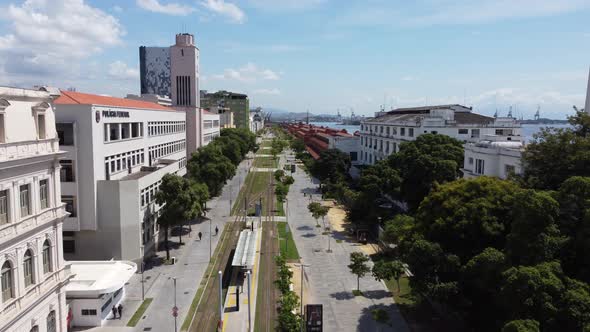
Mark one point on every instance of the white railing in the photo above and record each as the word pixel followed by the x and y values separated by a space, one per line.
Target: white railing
pixel 27 149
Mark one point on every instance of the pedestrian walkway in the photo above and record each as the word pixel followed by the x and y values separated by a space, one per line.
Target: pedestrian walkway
pixel 330 280
pixel 191 262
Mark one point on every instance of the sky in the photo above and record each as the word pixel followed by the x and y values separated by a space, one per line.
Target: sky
pixel 317 55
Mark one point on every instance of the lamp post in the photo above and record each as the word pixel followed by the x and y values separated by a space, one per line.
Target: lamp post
pixel 175 309
pixel 221 297
pixel 142 281
pixel 249 315
pixel 302 266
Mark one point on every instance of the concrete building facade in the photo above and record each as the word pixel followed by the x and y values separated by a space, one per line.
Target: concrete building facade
pixel 118 150
pixel 498 156
pixel 382 135
pixel 33 270
pixel 211 126
pixel 256 120
pixel 238 103
pixel 154 70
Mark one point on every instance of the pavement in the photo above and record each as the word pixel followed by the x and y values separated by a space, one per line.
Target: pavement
pixel 330 280
pixel 192 260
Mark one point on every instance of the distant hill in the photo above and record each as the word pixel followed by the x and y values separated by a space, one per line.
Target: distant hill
pixel 543 121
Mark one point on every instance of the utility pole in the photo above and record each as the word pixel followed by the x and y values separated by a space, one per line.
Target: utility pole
pixel 175 309
pixel 142 281
pixel 221 298
pixel 249 315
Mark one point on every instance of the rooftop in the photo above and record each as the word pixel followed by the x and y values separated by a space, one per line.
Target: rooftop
pixel 99 277
pixel 73 98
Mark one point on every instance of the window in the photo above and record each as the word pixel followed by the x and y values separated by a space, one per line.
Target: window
pixel 28 268
pixel 69 246
pixel 43 194
pixel 25 201
pixel 125 131
pixel 353 156
pixel 474 133
pixel 65 132
pixel 509 169
pixel 51 322
pixel 388 129
pixel 88 312
pixel 114 129
pixel 66 173
pixel 2 130
pixel 470 160
pixel 479 166
pixel 34 329
pixel 7 290
pixel 402 131
pixel 41 126
pixel 70 204
pixel 135 129
pixel 411 132
pixel 434 132
pixel 463 131
pixel 47 266
pixel 4 217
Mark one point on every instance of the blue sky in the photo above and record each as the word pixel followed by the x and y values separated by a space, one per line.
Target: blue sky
pixel 320 55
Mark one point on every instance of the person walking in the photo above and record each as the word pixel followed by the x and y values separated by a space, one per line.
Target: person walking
pixel 120 309
pixel 216 230
pixel 200 236
pixel 114 310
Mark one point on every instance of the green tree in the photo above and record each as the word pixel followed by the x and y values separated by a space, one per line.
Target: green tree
pixel 521 325
pixel 399 229
pixel 281 191
pixel 332 166
pixel 555 155
pixel 359 267
pixel 181 200
pixel 229 148
pixel 534 236
pixel 287 320
pixel 424 162
pixel 575 306
pixel 277 146
pixel 383 270
pixel 297 145
pixel 209 166
pixel 279 173
pixel 288 180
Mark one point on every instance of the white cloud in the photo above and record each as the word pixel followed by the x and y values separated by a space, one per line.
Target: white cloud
pixel 120 70
pixel 248 73
pixel 229 10
pixel 46 40
pixel 409 78
pixel 270 92
pixel 117 9
pixel 170 9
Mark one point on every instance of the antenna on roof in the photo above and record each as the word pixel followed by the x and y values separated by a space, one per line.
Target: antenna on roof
pixel 510 112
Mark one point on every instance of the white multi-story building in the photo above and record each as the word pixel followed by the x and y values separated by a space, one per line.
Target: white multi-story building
pixel 118 150
pixel 226 117
pixel 211 126
pixel 382 135
pixel 256 120
pixel 497 156
pixel 33 271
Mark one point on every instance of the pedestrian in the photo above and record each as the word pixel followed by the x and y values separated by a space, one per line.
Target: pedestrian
pixel 200 236
pixel 114 310
pixel 216 230
pixel 120 309
pixel 304 194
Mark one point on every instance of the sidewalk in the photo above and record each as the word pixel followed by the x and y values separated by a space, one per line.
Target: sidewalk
pixel 330 281
pixel 192 260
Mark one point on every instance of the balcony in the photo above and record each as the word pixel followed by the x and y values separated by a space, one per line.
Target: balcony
pixel 28 149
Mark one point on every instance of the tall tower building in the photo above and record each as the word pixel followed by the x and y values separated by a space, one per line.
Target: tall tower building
pixel 154 70
pixel 184 77
pixel 587 106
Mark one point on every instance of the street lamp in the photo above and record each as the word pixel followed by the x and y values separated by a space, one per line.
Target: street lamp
pixel 175 309
pixel 142 281
pixel 302 266
pixel 249 315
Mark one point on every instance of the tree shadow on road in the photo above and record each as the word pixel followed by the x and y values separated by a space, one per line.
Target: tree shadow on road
pixel 304 228
pixel 376 294
pixel 381 318
pixel 342 295
pixel 309 235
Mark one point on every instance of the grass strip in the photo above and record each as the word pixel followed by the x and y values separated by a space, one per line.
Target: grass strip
pixel 286 242
pixel 256 183
pixel 139 312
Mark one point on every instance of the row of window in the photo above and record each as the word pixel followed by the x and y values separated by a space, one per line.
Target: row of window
pixel 209 137
pixel 51 323
pixel 165 149
pixel 388 130
pixel 208 124
pixel 156 128
pixel 122 131
pixel 8 271
pixel 148 194
pixel 24 201
pixel 378 144
pixel 122 161
pixel 182 163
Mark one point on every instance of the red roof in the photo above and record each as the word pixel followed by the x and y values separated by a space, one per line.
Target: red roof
pixel 73 98
pixel 207 112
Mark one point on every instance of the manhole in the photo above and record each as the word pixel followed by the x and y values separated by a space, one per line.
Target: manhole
pixel 148 277
pixel 186 293
pixel 126 283
pixel 185 263
pixel 147 328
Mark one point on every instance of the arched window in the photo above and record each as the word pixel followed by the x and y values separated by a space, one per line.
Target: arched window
pixel 51 323
pixel 47 266
pixel 28 268
pixel 35 329
pixel 7 290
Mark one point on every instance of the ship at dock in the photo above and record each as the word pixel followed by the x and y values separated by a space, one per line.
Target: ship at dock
pixel 353 120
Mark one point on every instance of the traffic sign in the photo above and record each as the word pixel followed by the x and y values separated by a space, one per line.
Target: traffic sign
pixel 174 311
